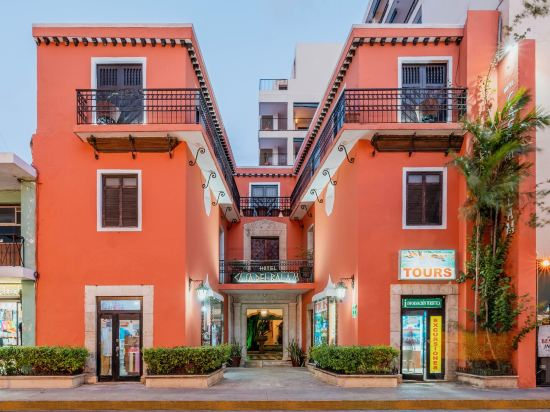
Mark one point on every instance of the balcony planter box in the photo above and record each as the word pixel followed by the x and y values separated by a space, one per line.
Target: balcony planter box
pixel 184 381
pixel 355 381
pixel 488 382
pixel 42 382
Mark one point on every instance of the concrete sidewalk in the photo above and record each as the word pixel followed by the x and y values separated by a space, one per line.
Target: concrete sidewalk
pixel 274 389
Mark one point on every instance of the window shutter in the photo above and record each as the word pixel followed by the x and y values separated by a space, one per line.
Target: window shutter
pixel 120 201
pixel 432 204
pixel 129 202
pixel 111 201
pixel 415 200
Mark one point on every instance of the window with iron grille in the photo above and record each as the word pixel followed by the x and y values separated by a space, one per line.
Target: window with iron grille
pixel 424 198
pixel 120 200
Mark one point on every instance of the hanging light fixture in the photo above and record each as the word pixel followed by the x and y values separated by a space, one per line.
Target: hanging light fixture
pixel 341 290
pixel 202 292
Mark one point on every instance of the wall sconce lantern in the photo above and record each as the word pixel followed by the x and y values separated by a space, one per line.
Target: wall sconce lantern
pixel 203 290
pixel 341 287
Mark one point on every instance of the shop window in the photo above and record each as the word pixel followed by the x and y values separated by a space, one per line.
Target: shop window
pixel 324 322
pixel 120 201
pixel 11 319
pixel 212 322
pixel 424 199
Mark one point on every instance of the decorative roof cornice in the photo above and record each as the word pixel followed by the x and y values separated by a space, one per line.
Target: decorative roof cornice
pixel 345 61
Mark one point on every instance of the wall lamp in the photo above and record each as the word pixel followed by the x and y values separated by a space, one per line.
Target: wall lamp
pixel 203 291
pixel 341 287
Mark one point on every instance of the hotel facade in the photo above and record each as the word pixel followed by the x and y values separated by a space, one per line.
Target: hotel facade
pixel 359 242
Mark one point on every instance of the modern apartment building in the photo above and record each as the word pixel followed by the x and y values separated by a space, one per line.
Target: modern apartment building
pixel 358 241
pixel 286 106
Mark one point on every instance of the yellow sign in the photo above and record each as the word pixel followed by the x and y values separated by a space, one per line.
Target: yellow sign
pixel 435 344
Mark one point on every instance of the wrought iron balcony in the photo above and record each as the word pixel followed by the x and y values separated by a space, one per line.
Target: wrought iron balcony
pixel 266 271
pixel 370 106
pixel 154 106
pixel 265 206
pixel 12 248
pixel 271 123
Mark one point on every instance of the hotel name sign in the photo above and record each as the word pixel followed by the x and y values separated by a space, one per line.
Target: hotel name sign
pixel 427 264
pixel 266 277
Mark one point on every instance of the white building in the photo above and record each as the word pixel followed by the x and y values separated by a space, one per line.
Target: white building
pixel 286 106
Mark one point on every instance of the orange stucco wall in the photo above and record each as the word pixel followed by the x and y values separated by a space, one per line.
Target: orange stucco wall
pixel 177 240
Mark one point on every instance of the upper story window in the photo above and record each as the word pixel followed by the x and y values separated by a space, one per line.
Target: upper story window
pixel 119 93
pixel 120 201
pixel 264 190
pixel 424 97
pixel 10 221
pixel 424 199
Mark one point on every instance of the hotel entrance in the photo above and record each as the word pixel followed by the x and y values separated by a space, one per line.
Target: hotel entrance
pixel 422 337
pixel 119 339
pixel 264 334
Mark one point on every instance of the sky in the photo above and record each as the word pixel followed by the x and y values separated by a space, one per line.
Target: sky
pixel 241 42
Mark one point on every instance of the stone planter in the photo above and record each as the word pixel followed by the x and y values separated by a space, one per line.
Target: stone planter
pixel 41 382
pixel 355 381
pixel 486 382
pixel 184 381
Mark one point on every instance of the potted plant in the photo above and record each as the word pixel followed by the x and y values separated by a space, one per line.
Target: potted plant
pixel 261 336
pixel 297 355
pixel 236 354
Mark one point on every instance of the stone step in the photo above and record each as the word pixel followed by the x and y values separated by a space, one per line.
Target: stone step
pixel 267 363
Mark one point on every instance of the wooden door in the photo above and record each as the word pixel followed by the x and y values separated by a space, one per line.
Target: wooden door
pixel 265 248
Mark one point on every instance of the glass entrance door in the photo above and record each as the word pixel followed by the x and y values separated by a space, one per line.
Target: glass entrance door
pixel 119 342
pixel 422 338
pixel 413 341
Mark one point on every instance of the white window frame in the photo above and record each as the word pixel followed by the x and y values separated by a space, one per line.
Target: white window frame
pixel 278 184
pixel 117 60
pixel 443 224
pixel 425 60
pixel 99 196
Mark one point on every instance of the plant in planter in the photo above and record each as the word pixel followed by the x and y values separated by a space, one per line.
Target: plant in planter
pixel 356 360
pixel 297 355
pixel 493 170
pixel 261 334
pixel 184 360
pixel 236 353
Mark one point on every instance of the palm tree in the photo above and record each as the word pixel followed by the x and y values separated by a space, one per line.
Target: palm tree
pixel 493 170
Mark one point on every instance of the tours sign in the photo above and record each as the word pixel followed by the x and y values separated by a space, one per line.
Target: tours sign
pixel 266 277
pixel 427 264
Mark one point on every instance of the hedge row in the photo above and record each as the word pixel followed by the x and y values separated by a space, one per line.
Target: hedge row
pixel 184 360
pixel 352 360
pixel 42 360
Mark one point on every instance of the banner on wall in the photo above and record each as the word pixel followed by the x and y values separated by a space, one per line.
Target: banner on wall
pixel 544 341
pixel 435 344
pixel 428 264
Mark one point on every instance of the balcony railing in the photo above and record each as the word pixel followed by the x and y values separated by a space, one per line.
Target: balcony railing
pixel 12 248
pixel 405 105
pixel 266 271
pixel 265 206
pixel 269 159
pixel 281 123
pixel 273 84
pixel 154 106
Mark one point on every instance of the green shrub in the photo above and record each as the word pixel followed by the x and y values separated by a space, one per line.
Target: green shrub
pixel 184 360
pixel 42 360
pixel 355 359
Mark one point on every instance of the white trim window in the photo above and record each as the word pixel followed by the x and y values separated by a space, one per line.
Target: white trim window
pixel 119 205
pixel 424 198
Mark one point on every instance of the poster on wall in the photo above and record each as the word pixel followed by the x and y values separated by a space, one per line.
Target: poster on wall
pixel 435 344
pixel 428 264
pixel 544 341
pixel 320 328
